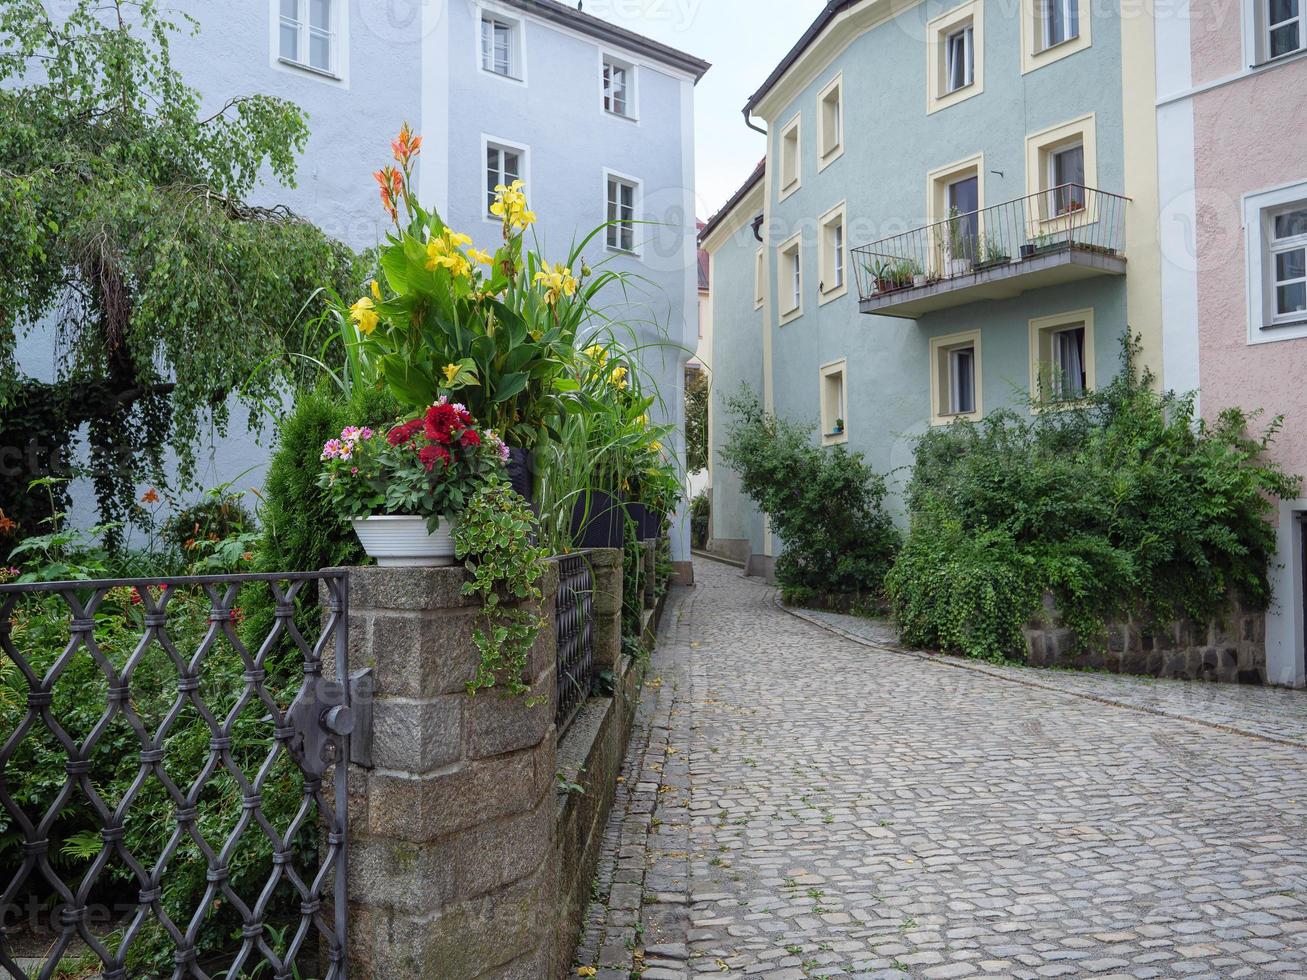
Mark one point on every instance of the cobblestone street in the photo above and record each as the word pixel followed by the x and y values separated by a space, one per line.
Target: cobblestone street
pixel 798 803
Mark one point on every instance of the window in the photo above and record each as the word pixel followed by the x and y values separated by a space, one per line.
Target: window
pixel 954 53
pixel 1061 172
pixel 834 411
pixel 1060 21
pixel 955 377
pixel 789 273
pixel 501 46
pixel 621 213
pixel 956 201
pixel 1285 27
pixel 1062 357
pixel 619 87
pixel 307 34
pixel 959 68
pixel 1275 224
pixel 832 256
pixel 790 156
pixel 504 164
pixel 830 123
pixel 1066 177
pixel 1052 30
pixel 759 279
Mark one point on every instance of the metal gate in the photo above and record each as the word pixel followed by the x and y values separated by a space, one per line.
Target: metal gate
pixel 573 619
pixel 173 778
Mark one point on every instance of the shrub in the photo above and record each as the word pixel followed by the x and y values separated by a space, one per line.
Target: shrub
pixel 826 505
pixel 1126 502
pixel 700 517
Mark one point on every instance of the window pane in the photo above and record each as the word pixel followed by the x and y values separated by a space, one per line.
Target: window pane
pixel 1291 298
pixel 320 50
pixel 1054 23
pixel 1292 224
pixel 1284 40
pixel 320 14
pixel 503 37
pixel 487 45
pixel 1290 265
pixel 290 41
pixel 1282 10
pixel 290 9
pixel 512 166
pixel 963 381
pixel 1072 18
pixel 1069 362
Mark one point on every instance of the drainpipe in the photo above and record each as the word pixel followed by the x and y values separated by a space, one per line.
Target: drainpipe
pixel 749 122
pixel 757 226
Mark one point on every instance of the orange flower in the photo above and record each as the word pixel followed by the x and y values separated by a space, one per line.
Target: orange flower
pixel 392 185
pixel 151 496
pixel 7 525
pixel 406 147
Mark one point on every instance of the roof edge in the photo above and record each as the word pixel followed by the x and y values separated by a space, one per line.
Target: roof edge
pixel 597 27
pixel 832 10
pixel 726 209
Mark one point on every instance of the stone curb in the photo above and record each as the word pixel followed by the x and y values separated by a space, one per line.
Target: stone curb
pixel 944 660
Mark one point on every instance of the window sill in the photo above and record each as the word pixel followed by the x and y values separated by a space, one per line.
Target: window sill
pixel 829 157
pixel 502 76
pixel 950 417
pixel 790 188
pixel 628 252
pixel 310 70
pixel 621 115
pixel 791 316
pixel 830 295
pixel 834 438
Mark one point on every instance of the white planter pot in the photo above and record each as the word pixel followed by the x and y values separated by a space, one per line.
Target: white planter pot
pixel 404 542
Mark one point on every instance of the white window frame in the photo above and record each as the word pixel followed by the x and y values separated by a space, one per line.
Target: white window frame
pixel 516 46
pixel 789 278
pixel 1264 28
pixel 488 143
pixel 943 384
pixel 609 59
pixel 1264 325
pixel 339 41
pixel 830 146
pixel 1043 329
pixel 966 18
pixel 834 403
pixel 612 177
pixel 968 52
pixel 1046 42
pixel 791 171
pixel 760 279
pixel 1035 53
pixel 832 254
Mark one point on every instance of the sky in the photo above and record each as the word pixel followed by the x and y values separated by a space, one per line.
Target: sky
pixel 744 40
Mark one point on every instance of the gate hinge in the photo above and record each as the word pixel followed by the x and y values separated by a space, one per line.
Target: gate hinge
pixel 361 687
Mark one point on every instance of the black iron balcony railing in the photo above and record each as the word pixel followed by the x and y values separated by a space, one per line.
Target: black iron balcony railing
pixel 1070 222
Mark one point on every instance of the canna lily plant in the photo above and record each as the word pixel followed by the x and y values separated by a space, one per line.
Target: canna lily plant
pixel 444 318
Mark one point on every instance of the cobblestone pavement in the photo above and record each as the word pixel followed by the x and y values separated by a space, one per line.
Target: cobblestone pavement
pixel 796 804
pixel 1270 712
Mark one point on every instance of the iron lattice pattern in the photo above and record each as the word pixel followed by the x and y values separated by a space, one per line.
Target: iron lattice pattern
pixel 164 812
pixel 574 617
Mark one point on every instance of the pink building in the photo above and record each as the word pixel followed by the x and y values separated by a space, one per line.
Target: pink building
pixel 1232 173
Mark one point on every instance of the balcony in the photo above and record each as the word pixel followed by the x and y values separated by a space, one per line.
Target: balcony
pixel 1060 235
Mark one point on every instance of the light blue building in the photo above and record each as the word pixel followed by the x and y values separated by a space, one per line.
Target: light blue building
pixel 953 216
pixel 598 121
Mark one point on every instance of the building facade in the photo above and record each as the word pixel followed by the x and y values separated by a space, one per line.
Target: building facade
pixel 1232 128
pixel 597 120
pixel 956 209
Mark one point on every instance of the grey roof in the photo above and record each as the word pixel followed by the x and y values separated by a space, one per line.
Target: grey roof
pixel 596 27
pixel 758 173
pixel 828 13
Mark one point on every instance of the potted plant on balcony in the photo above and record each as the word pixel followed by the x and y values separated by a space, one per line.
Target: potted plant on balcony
pixel 993 253
pixel 961 244
pixel 405 492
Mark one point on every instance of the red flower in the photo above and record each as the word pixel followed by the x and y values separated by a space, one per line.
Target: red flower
pixel 401 434
pixel 136 598
pixel 440 421
pixel 430 455
pixel 470 438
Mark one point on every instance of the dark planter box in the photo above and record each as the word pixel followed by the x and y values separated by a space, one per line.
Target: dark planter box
pixel 522 473
pixel 1028 251
pixel 648 523
pixel 598 521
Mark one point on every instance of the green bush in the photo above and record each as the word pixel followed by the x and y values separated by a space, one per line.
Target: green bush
pixel 700 517
pixel 826 506
pixel 1126 502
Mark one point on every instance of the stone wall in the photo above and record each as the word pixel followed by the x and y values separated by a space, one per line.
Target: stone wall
pixel 467 861
pixel 1232 649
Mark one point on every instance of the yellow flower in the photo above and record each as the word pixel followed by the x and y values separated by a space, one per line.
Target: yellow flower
pixel 510 206
pixel 557 280
pixel 443 252
pixel 643 420
pixel 597 353
pixel 618 377
pixel 476 255
pixel 457 238
pixel 376 290
pixel 656 446
pixel 451 372
pixel 365 315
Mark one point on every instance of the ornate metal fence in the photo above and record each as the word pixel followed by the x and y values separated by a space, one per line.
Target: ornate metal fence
pixel 574 623
pixel 172 777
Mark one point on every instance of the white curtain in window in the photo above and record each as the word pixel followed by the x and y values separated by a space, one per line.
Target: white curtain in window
pixel 962 378
pixel 1069 361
